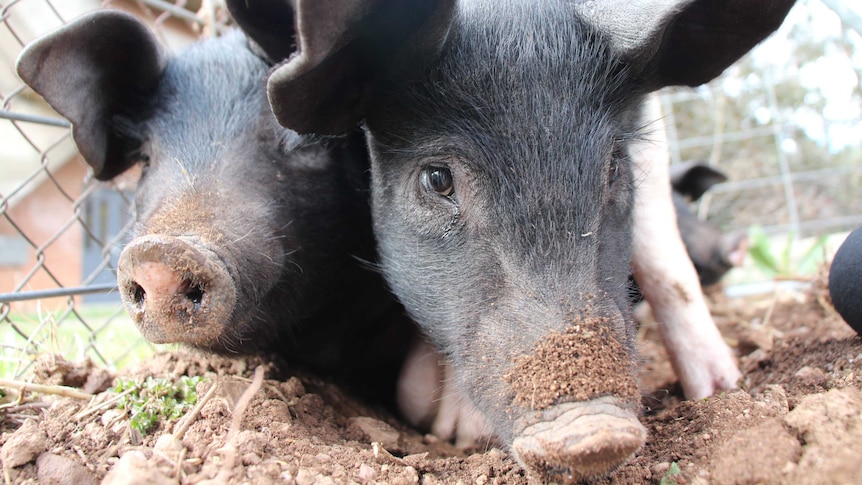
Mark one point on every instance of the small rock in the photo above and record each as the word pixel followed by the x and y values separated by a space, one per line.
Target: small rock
pixel 376 430
pixel 98 380
pixel 292 388
pixel 429 479
pixel 775 399
pixel 811 375
pixel 753 454
pixel 411 474
pixel 59 470
pixel 420 460
pixel 133 469
pixel 755 337
pixel 659 469
pixel 366 473
pixel 113 419
pixel 168 446
pixel 24 445
pixel 305 477
pixel 250 459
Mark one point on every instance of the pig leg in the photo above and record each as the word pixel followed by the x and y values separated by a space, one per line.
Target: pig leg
pixel 428 398
pixel 701 359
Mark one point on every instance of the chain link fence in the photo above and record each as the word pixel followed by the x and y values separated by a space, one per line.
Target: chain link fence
pixel 784 124
pixel 61 231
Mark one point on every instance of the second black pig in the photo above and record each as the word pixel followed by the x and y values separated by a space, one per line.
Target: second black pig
pixel 712 251
pixel 502 187
pixel 248 237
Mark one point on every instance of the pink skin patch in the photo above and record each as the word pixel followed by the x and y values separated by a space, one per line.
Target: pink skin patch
pixel 701 359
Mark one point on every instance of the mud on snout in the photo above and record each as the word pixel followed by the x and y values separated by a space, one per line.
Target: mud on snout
pixel 176 291
pixel 575 404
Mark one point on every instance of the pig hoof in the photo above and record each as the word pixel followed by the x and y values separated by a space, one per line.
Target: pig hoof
pixel 578 441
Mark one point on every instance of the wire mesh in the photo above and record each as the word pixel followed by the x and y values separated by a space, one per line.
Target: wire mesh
pixel 61 231
pixel 769 123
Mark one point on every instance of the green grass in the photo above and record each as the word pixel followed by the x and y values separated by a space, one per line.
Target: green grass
pixel 103 333
pixel 670 475
pixel 786 259
pixel 154 400
pixel 783 257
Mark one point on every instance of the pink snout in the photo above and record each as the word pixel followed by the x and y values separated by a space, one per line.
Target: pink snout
pixel 176 291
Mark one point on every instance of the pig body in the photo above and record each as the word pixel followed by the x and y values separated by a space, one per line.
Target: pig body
pixel 248 237
pixel 845 280
pixel 712 251
pixel 501 138
pixel 702 361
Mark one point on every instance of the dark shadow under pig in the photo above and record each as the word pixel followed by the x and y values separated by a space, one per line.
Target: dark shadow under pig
pixel 248 236
pixel 500 136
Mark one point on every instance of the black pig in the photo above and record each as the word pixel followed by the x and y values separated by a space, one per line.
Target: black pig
pixel 502 185
pixel 712 251
pixel 248 236
pixel 845 280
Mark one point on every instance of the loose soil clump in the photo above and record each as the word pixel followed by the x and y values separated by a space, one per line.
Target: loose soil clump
pixel 795 418
pixel 582 362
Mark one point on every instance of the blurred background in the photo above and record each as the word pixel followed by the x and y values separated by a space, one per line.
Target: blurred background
pixel 784 124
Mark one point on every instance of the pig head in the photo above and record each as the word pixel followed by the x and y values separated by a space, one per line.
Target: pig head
pixel 502 186
pixel 248 236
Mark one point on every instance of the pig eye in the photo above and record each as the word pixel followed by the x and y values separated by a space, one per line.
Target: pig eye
pixel 614 172
pixel 438 179
pixel 144 161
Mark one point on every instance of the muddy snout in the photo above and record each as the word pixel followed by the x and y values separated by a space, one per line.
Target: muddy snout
pixel 577 402
pixel 175 291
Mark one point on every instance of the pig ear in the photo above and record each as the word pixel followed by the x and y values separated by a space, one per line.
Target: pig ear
pixel 91 70
pixel 692 179
pixel 683 42
pixel 337 49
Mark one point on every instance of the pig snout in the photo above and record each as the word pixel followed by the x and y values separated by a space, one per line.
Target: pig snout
pixel 572 442
pixel 735 247
pixel 175 290
pixel 578 403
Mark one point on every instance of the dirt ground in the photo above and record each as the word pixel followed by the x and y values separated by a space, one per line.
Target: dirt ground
pixel 797 419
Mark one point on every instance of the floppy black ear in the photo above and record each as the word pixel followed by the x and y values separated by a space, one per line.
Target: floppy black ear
pixel 693 179
pixel 336 50
pixel 683 42
pixel 101 65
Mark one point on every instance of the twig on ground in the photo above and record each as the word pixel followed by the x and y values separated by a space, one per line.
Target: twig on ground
pixel 183 424
pixel 242 404
pixel 228 451
pixel 42 389
pixel 94 409
pixel 771 308
pixel 25 406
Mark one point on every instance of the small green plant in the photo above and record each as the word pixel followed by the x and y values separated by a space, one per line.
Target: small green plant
pixel 668 478
pixel 783 264
pixel 153 400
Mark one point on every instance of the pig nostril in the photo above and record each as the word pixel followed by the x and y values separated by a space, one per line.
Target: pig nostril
pixel 138 294
pixel 196 295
